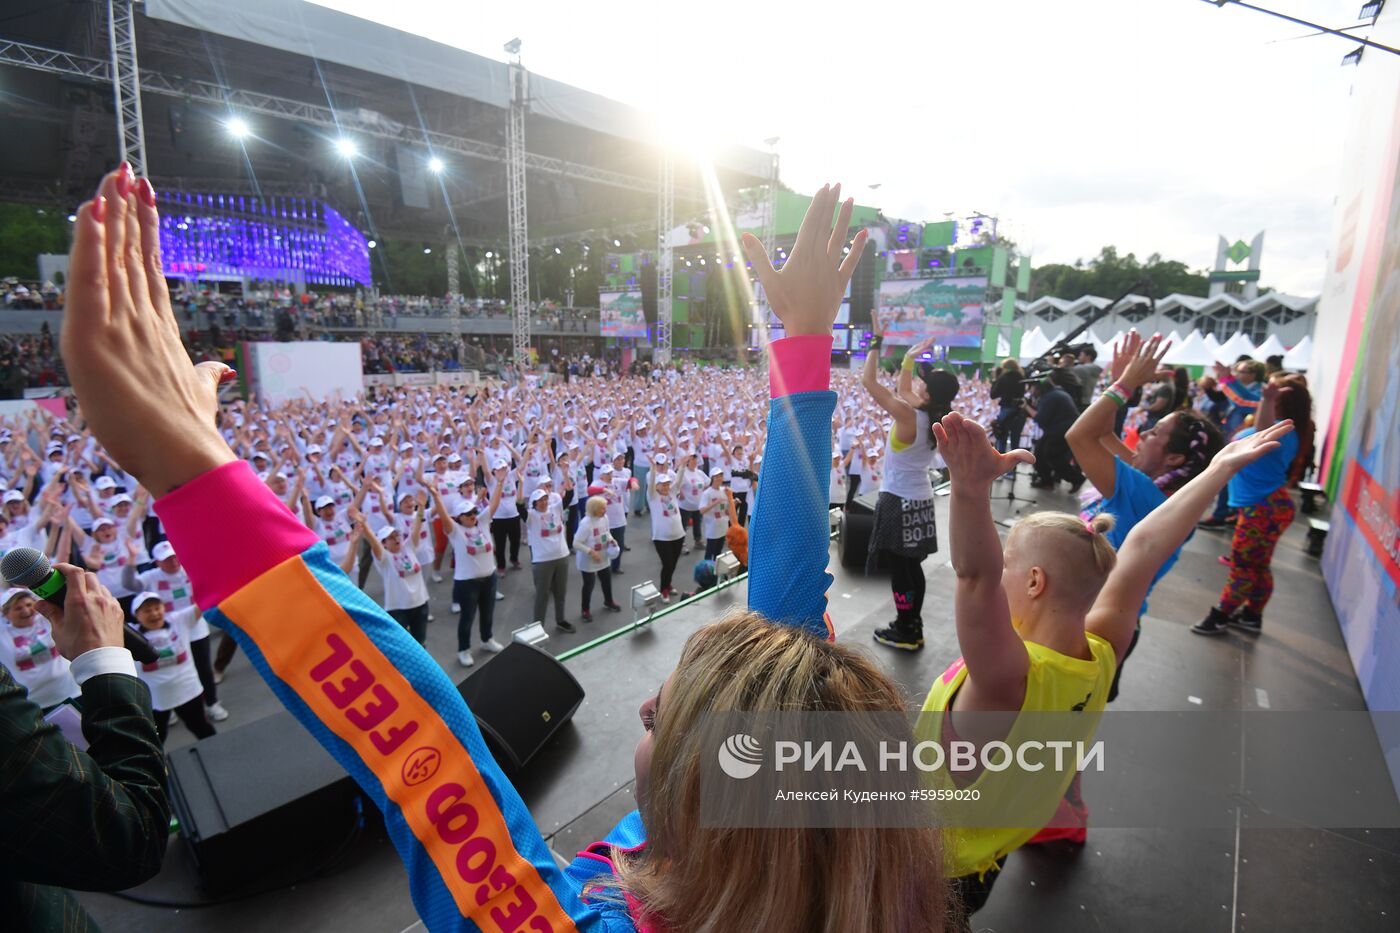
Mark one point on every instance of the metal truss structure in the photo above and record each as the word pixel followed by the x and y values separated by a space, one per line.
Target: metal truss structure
pixel 126 83
pixel 516 215
pixel 665 263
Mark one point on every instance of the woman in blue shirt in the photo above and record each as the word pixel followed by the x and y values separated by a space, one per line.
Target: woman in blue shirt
pixel 1260 493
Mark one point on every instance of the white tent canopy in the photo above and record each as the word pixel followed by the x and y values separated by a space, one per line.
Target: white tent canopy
pixel 1300 357
pixel 1271 346
pixel 1175 338
pixel 1033 343
pixel 1238 345
pixel 1211 343
pixel 1190 352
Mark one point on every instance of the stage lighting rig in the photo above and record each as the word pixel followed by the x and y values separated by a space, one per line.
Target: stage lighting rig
pixel 238 128
pixel 512 47
pixel 436 166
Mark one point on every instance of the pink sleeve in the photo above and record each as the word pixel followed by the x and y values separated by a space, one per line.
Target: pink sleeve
pixel 799 364
pixel 228 529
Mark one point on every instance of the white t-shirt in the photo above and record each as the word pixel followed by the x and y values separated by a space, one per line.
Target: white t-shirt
pixel 714 513
pixel 175 591
pixel 546 532
pixel 33 659
pixel 113 559
pixel 403 579
pixel 617 513
pixel 336 534
pixel 665 517
pixel 472 551
pixel 591 543
pixel 691 483
pixel 172 679
pixel 837 486
pixel 507 507
pixel 739 484
pixel 423 547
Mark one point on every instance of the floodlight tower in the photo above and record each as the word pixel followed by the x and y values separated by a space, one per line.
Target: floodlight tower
pixel 519 250
pixel 126 83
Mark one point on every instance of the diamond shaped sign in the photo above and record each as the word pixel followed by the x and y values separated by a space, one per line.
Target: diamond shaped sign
pixel 1238 252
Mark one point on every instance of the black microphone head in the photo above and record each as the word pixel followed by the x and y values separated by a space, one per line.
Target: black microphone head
pixel 26 567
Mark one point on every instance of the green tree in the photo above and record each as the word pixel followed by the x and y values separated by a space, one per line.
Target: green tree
pixel 1109 275
pixel 25 232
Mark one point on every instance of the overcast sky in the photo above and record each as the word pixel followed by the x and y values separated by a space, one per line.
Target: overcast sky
pixel 1153 125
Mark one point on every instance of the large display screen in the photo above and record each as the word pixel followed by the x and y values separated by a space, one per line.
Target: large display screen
pixel 949 309
pixel 621 314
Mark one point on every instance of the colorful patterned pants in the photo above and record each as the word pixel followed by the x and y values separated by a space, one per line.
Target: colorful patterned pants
pixel 1259 527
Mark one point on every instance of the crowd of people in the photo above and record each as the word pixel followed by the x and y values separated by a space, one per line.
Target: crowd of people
pixel 411 484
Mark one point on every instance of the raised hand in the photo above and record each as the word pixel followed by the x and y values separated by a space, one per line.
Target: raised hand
pixel 155 418
pixel 807 292
pixel 1239 454
pixel 1135 361
pixel 971 458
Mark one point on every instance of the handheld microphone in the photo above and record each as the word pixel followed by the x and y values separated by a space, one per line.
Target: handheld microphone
pixel 30 568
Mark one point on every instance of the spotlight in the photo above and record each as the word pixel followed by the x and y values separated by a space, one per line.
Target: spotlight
pixel 372 244
pixel 617 243
pixel 436 166
pixel 346 147
pixel 489 254
pixel 238 128
pixel 427 250
pixel 558 251
pixel 706 228
pixel 645 598
pixel 72 218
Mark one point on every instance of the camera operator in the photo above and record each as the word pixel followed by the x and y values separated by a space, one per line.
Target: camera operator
pixel 1055 411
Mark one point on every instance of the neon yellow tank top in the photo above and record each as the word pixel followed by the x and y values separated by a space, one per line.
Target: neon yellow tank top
pixel 1054 683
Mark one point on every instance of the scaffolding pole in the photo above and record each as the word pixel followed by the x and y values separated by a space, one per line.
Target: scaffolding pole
pixel 665 262
pixel 126 84
pixel 516 215
pixel 770 244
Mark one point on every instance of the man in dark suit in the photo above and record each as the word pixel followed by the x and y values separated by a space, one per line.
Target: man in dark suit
pixel 95 820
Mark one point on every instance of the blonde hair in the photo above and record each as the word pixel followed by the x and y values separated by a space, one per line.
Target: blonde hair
pixel 699 879
pixel 597 507
pixel 1069 548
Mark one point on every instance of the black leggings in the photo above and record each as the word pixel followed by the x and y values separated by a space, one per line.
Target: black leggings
pixel 741 507
pixel 714 547
pixel 415 620
pixel 852 487
pixel 691 519
pixel 670 554
pixel 199 653
pixel 603 577
pixel 503 529
pixel 191 714
pixel 908 584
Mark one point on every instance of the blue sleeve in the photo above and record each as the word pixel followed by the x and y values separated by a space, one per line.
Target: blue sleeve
pixel 789 541
pixel 1135 495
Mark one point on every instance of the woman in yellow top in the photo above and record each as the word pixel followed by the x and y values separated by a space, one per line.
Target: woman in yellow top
pixel 1042 628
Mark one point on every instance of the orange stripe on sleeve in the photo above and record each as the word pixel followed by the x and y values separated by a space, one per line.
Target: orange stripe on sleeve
pixel 318 650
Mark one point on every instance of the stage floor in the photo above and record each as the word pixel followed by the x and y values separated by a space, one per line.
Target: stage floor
pixel 1216 880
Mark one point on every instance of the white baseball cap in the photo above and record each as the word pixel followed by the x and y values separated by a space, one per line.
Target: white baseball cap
pixel 14 495
pixel 104 482
pixel 537 495
pixel 143 598
pixel 11 593
pixel 665 478
pixel 101 522
pixel 384 533
pixel 324 501
pixel 163 550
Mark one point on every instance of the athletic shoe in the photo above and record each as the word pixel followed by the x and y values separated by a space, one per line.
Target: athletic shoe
pixel 216 712
pixel 465 658
pixel 456 607
pixel 218 676
pixel 566 626
pixel 898 636
pixel 430 617
pixel 515 565
pixel 1247 621
pixel 491 646
pixel 1213 624
pixel 1213 523
pixel 437 577
pixel 1225 559
pixel 587 616
pixel 665 596
pixel 500 596
pixel 686 549
pixel 617 572
pixel 612 607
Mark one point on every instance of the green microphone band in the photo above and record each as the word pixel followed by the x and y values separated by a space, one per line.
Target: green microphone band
pixel 51 585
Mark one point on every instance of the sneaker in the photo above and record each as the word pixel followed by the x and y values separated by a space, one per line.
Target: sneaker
pixel 586 616
pixel 456 607
pixel 1226 560
pixel 617 571
pixel 566 626
pixel 897 636
pixel 612 607
pixel 515 565
pixel 666 596
pixel 437 577
pixel 491 646
pixel 1246 621
pixel 500 596
pixel 1213 624
pixel 216 712
pixel 1213 523
pixel 218 676
pixel 465 658
pixel 686 549
pixel 430 617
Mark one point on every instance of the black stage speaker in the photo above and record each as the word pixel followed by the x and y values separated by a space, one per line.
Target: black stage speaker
pixel 857 524
pixel 259 800
pixel 520 700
